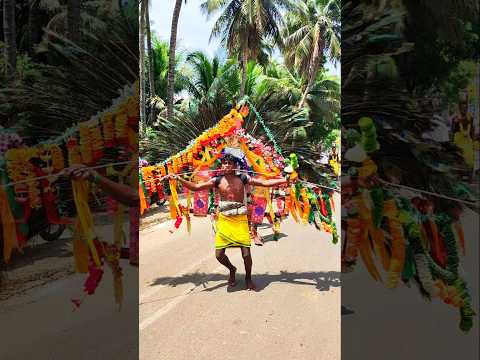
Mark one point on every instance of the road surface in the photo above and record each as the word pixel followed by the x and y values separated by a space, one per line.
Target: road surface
pixel 36 317
pixel 187 312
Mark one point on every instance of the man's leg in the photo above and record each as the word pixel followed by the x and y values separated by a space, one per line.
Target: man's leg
pixel 223 259
pixel 256 238
pixel 247 260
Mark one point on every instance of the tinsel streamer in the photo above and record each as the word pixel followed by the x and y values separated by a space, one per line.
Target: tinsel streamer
pixel 450 243
pixel 80 250
pixel 323 208
pixel 121 134
pixel 376 195
pixel 439 271
pixel 409 269
pixel 334 233
pixel 132 137
pixel 363 240
pixel 292 204
pixel 306 205
pixel 449 293
pixel 96 141
pixel 8 226
pixel 380 246
pixel 143 200
pixel 108 128
pixel 86 147
pixel 437 242
pixel 466 310
pixel 112 256
pixel 74 155
pixel 174 195
pixel 58 161
pixel 80 196
pixel 354 232
pixel 424 273
pixel 144 205
pixel 458 228
pixel 20 211
pixel 397 245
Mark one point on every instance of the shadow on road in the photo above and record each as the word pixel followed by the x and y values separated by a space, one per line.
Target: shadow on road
pixel 270 237
pixel 321 280
pixel 60 248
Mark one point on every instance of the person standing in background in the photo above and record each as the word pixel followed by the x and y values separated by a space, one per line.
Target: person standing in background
pixel 463 132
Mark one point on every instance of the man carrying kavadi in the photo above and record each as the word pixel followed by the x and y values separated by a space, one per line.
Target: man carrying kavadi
pixel 232 220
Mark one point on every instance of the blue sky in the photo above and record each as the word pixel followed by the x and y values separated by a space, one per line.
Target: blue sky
pixel 193 27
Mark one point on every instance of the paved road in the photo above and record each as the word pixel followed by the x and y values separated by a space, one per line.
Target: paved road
pixel 39 324
pixel 187 312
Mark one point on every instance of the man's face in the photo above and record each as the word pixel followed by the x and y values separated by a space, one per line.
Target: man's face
pixel 228 166
pixel 463 108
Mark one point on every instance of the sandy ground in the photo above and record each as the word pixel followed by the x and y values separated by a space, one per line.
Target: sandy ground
pixel 36 317
pixel 187 311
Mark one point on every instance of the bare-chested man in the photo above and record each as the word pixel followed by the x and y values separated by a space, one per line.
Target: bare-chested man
pixel 232 222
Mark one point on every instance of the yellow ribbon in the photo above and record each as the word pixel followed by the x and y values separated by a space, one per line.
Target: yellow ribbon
pixel 174 199
pixel 80 250
pixel 80 196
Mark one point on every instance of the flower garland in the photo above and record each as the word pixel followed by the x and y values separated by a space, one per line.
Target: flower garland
pixel 86 143
pixel 411 241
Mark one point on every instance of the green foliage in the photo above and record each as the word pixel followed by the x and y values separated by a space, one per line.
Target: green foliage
pixel 66 82
pixel 457 81
pixel 308 21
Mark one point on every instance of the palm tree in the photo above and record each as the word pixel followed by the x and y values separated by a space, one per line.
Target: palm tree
pixel 244 25
pixel 312 31
pixel 171 59
pixel 73 20
pixel 141 40
pixel 9 35
pixel 208 77
pixel 205 71
pixel 160 55
pixel 151 70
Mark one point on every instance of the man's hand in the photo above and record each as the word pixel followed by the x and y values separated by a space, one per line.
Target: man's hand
pixel 79 172
pixel 174 177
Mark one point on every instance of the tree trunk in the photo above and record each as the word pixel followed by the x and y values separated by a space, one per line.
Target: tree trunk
pixel 141 43
pixel 313 70
pixel 243 84
pixel 9 36
pixel 73 20
pixel 171 59
pixel 151 70
pixel 34 27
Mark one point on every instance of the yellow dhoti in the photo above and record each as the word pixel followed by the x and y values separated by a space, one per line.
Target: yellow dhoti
pixel 232 231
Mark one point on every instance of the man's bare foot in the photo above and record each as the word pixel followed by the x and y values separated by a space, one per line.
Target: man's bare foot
pixel 257 240
pixel 231 278
pixel 250 286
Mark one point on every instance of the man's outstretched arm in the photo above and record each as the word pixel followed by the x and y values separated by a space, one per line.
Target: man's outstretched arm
pixel 194 186
pixel 269 182
pixel 122 193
